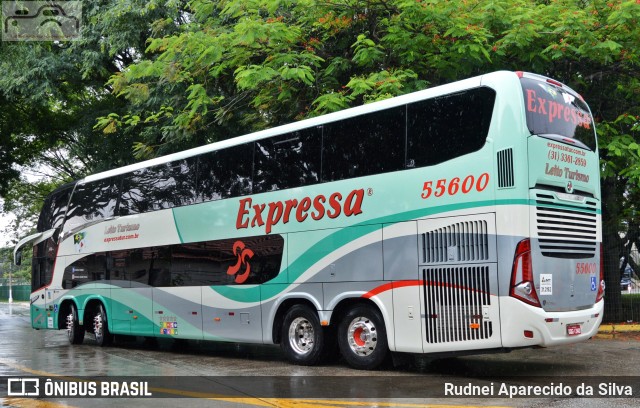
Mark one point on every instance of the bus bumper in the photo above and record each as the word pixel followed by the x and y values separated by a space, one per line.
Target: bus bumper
pixel 526 325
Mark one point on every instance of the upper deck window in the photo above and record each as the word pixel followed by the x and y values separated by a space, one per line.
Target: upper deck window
pixel 93 201
pixel 449 126
pixel 368 144
pixel 54 208
pixel 155 188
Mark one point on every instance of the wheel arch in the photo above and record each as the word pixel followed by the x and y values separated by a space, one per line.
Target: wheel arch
pixel 90 308
pixel 64 309
pixel 281 310
pixel 341 308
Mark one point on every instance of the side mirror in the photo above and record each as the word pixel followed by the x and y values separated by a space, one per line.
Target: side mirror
pixel 30 240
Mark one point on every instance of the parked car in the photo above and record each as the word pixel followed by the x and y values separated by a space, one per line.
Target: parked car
pixel 625 283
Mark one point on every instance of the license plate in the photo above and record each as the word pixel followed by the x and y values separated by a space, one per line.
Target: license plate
pixel 574 329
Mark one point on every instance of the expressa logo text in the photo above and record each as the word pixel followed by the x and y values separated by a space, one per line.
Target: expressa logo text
pixel 268 215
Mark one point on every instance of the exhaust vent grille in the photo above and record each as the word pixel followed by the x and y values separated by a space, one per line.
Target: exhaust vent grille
pixel 566 230
pixel 456 304
pixel 461 242
pixel 505 169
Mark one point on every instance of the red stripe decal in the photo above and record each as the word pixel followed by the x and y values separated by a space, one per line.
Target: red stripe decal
pixel 390 286
pixel 402 284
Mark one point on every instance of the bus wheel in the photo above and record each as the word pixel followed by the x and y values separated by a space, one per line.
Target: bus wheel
pixel 362 338
pixel 302 337
pixel 75 332
pixel 100 327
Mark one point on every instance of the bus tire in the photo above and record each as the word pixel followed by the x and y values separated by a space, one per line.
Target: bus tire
pixel 101 328
pixel 362 338
pixel 302 338
pixel 75 332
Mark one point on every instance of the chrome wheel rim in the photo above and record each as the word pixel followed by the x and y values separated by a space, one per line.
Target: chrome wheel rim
pixel 301 335
pixel 97 326
pixel 70 323
pixel 362 336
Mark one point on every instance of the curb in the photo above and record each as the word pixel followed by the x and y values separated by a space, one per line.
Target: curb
pixel 619 328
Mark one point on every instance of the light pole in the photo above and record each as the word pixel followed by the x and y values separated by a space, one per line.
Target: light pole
pixel 10 282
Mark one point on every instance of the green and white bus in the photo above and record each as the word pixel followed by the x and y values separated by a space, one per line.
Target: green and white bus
pixel 462 218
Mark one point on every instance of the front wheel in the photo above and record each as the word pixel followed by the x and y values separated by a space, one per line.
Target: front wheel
pixel 362 338
pixel 75 332
pixel 101 328
pixel 302 337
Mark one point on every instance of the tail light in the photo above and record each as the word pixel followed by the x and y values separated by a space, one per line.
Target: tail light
pixel 554 82
pixel 522 286
pixel 600 294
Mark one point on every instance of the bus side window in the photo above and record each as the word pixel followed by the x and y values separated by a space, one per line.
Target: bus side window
pixel 364 145
pixel 93 201
pixel 117 264
pixel 209 262
pixel 160 266
pixel 159 187
pixel 198 263
pixel 267 258
pixel 449 126
pixel 287 161
pixel 135 193
pixel 54 209
pixel 84 270
pixel 225 173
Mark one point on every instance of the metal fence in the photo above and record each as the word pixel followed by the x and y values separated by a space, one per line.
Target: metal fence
pixel 626 306
pixel 20 290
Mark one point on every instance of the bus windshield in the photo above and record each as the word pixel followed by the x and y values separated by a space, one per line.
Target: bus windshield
pixel 554 111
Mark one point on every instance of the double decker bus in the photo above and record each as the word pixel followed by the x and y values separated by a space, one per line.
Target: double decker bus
pixel 461 218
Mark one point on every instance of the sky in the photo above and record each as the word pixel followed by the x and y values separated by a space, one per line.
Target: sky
pixel 5 220
pixel 31 174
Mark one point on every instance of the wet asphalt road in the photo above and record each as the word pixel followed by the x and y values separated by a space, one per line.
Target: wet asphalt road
pixel 231 375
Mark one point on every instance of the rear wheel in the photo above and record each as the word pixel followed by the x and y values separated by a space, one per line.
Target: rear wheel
pixel 101 328
pixel 302 337
pixel 362 338
pixel 75 332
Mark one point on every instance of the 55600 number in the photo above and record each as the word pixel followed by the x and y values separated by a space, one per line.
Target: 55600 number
pixel 454 186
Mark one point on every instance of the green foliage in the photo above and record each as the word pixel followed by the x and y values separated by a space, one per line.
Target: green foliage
pixel 51 95
pixel 262 63
pixel 20 273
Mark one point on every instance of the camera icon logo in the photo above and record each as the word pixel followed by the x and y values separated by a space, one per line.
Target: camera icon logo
pixel 41 20
pixel 23 387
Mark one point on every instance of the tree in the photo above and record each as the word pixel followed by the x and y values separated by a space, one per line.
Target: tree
pixel 50 96
pixel 163 76
pixel 20 273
